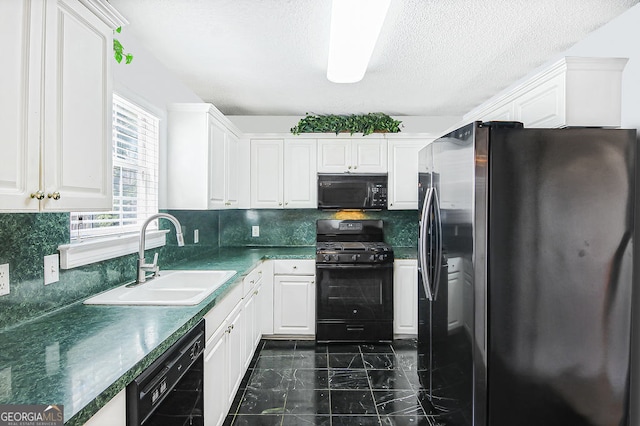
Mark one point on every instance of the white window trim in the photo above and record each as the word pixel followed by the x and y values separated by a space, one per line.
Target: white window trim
pixel 99 249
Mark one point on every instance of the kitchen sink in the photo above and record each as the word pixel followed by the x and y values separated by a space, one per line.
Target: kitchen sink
pixel 170 288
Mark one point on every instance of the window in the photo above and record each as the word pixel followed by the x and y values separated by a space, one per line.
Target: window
pixel 135 175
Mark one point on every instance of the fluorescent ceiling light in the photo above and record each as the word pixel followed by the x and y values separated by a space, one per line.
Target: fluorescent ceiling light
pixel 355 25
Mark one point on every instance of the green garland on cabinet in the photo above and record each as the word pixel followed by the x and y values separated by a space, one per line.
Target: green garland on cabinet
pixel 366 124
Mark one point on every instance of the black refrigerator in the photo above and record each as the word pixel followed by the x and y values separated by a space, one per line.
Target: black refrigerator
pixel 537 227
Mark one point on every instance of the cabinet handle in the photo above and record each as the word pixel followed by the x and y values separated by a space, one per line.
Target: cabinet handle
pixel 55 195
pixel 286 204
pixel 227 203
pixel 355 167
pixel 38 195
pixel 280 203
pixel 295 267
pixel 255 292
pixel 349 167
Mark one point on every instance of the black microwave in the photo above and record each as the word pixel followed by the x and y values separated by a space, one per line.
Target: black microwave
pixel 347 191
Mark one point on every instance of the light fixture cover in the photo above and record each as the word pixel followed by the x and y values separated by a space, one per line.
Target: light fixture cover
pixel 355 26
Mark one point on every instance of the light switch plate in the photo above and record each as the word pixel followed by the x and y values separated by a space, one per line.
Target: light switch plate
pixel 51 269
pixel 196 236
pixel 255 231
pixel 4 279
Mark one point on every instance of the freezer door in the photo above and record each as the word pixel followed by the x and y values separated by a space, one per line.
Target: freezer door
pixel 560 276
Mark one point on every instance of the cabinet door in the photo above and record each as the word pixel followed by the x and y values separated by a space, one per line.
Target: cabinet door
pixel 77 146
pixel 334 156
pixel 265 299
pixel 249 313
pixel 235 352
pixel 232 167
pixel 294 305
pixel 403 173
pixel 19 174
pixel 300 174
pixel 217 173
pixel 368 156
pixel 455 300
pixel 267 173
pixel 215 378
pixel 257 316
pixel 405 296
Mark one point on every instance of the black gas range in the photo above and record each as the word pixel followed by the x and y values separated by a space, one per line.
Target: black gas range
pixel 354 275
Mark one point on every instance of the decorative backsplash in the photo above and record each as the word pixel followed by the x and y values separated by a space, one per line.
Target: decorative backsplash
pixel 27 237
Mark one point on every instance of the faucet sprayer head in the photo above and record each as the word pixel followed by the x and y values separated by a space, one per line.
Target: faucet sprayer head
pixel 180 238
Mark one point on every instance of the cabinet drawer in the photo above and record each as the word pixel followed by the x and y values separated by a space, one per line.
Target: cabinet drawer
pixel 251 280
pixel 294 267
pixel 216 316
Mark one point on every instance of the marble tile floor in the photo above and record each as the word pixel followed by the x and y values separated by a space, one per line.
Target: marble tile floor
pixel 297 382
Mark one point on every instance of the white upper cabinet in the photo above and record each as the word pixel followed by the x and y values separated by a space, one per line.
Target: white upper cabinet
pixel 56 106
pixel 283 173
pixel 363 155
pixel 403 173
pixel 573 91
pixel 203 159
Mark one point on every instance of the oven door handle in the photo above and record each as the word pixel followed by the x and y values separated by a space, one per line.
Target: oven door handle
pixel 354 265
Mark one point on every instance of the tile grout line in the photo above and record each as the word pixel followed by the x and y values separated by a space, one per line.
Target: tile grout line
pixel 373 396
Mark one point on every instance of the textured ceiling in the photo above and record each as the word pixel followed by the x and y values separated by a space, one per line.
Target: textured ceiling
pixel 433 57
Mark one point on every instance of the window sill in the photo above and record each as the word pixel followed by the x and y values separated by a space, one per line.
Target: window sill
pixel 92 251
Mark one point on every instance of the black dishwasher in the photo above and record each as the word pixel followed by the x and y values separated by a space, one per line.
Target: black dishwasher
pixel 169 392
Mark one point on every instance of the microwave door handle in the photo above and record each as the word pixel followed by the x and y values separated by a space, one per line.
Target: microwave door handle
pixel 422 241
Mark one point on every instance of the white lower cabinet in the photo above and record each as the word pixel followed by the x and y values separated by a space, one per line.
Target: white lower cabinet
pixel 223 367
pixel 114 413
pixel 405 297
pixel 215 378
pixel 294 294
pixel 251 312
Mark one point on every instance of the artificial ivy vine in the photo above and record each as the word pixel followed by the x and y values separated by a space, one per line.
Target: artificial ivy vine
pixel 118 50
pixel 331 123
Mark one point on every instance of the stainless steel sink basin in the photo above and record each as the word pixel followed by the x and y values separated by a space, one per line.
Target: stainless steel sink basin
pixel 170 288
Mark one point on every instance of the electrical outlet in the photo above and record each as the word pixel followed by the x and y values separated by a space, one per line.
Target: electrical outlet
pixel 51 269
pixel 255 231
pixel 4 279
pixel 196 236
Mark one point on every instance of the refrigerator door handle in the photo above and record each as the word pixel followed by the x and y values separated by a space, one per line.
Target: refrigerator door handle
pixel 422 256
pixel 437 267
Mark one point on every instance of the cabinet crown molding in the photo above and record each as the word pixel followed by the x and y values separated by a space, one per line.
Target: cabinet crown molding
pixel 571 68
pixel 107 13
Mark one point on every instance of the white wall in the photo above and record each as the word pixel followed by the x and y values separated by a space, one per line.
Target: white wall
pixel 620 38
pixel 151 85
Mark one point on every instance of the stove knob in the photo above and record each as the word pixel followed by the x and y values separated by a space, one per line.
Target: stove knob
pixel 381 257
pixel 336 257
pixel 355 257
pixel 327 257
pixel 372 257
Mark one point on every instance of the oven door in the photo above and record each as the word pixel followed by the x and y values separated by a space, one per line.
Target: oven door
pixel 354 291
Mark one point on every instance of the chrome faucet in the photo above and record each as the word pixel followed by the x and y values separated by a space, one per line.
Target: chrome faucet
pixel 143 267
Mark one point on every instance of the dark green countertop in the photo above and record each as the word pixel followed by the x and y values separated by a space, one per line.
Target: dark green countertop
pixel 81 356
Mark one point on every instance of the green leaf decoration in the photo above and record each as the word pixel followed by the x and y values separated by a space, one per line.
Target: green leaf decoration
pixel 118 50
pixel 331 123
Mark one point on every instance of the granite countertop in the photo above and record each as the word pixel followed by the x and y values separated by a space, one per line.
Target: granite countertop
pixel 81 356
